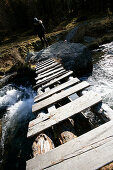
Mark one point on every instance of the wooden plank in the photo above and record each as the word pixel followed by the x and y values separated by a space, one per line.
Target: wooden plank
pixel 51 76
pixel 48 67
pixel 89 151
pixel 66 111
pixel 57 79
pixel 45 61
pixel 47 79
pixel 59 96
pixel 40 66
pixel 56 89
pixel 51 69
pixel 49 73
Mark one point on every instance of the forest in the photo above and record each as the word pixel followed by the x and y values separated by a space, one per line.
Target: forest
pixel 18 15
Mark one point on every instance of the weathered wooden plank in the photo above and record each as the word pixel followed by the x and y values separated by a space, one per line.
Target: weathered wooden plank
pixel 57 79
pixel 51 69
pixel 46 68
pixel 45 61
pixel 47 79
pixel 94 157
pixel 51 76
pixel 49 73
pixel 59 96
pixel 40 66
pixel 87 150
pixel 47 94
pixel 67 111
pixel 56 89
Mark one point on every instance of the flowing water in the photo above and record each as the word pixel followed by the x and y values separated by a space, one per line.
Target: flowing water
pixel 101 80
pixel 16 109
pixel 16 112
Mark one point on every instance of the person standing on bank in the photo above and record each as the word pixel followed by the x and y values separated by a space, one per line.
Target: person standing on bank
pixel 40 30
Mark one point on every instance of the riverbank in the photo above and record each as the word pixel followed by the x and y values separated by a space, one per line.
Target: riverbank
pixel 97 30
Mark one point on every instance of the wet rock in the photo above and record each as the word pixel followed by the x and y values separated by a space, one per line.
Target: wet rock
pixel 77 34
pixel 89 39
pixel 30 55
pixel 0 128
pixel 7 79
pixel 73 56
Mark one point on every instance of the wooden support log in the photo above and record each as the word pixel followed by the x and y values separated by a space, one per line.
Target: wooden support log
pixel 64 131
pixel 89 151
pixel 72 108
pixel 43 142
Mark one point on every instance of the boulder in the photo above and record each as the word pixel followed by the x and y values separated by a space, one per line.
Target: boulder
pixel 77 33
pixel 73 56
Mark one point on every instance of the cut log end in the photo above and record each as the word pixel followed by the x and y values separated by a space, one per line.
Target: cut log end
pixel 64 132
pixel 42 144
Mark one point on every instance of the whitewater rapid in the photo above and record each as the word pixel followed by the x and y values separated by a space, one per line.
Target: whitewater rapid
pixel 101 80
pixel 16 103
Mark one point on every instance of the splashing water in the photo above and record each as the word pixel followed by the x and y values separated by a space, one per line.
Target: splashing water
pixel 16 103
pixel 102 76
pixel 16 108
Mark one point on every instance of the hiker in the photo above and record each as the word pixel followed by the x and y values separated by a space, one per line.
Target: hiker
pixel 40 30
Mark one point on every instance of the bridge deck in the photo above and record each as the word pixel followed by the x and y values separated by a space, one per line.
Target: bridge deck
pixel 91 150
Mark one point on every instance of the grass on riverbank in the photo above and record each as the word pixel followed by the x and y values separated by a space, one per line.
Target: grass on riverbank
pixel 12 53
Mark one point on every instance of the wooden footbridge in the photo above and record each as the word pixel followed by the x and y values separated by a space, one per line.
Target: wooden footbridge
pixel 54 108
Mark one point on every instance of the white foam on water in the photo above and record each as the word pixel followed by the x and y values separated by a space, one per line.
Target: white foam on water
pixel 102 76
pixel 19 109
pixel 9 98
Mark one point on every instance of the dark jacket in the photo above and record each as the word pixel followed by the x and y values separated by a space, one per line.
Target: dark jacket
pixel 39 28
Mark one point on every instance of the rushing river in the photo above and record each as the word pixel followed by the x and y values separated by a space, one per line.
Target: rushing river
pixel 102 76
pixel 16 108
pixel 16 105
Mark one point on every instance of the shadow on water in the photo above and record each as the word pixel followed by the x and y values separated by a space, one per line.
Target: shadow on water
pixel 17 149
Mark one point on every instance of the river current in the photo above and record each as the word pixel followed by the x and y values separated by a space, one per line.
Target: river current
pixel 16 108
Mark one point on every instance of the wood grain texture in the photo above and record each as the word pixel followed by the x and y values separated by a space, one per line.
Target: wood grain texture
pixel 48 67
pixel 52 82
pixel 49 78
pixel 66 111
pixel 59 96
pixel 56 89
pixel 89 151
pixel 50 73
